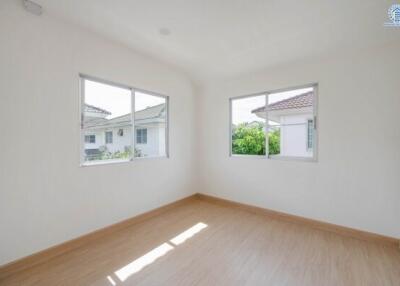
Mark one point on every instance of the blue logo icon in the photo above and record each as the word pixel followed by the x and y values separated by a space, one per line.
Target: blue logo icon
pixel 394 16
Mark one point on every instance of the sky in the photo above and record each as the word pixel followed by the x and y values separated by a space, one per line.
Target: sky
pixel 117 100
pixel 241 108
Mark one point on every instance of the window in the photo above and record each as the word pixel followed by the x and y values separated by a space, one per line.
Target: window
pixel 90 138
pixel 248 129
pixel 277 124
pixel 108 124
pixel 150 124
pixel 310 131
pixel 141 136
pixel 109 137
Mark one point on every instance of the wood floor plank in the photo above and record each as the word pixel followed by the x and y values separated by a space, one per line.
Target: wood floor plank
pixel 235 248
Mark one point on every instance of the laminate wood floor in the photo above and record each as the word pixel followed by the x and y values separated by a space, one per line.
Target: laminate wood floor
pixel 200 243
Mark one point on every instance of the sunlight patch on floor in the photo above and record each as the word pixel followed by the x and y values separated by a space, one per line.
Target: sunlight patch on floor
pixel 111 280
pixel 138 264
pixel 181 238
pixel 151 256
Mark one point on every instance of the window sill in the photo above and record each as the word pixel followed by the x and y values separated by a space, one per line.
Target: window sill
pixel 292 158
pixel 119 161
pixel 275 157
pixel 103 162
pixel 248 156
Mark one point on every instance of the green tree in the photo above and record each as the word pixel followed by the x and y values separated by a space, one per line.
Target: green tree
pixel 274 138
pixel 249 139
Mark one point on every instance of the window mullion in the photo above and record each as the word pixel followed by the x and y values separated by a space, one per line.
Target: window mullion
pixel 315 122
pixel 266 127
pixel 82 118
pixel 133 141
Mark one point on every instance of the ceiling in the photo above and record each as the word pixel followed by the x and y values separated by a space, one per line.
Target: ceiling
pixel 224 38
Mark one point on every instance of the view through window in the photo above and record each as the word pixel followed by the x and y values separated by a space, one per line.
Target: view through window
pixel 108 124
pixel 283 121
pixel 248 129
pixel 150 125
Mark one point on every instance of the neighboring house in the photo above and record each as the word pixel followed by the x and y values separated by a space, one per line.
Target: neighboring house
pixel 294 117
pixel 115 134
pixel 395 15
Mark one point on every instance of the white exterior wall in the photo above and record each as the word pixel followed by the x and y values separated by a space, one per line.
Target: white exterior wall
pixel 155 145
pixel 118 144
pixel 294 135
pixel 162 145
pixel 46 198
pixel 154 141
pixel 100 139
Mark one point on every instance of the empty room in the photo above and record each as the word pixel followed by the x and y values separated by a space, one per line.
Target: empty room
pixel 212 142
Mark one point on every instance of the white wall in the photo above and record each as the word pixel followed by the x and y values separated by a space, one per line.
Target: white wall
pixel 356 181
pixel 45 197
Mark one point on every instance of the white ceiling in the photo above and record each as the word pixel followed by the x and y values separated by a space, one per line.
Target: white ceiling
pixel 224 38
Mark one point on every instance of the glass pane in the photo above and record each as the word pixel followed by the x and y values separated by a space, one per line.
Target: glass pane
pixel 150 125
pixel 107 122
pixel 248 125
pixel 290 120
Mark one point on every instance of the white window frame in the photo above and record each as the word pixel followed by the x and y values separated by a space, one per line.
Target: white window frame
pixel 133 90
pixel 106 138
pixel 89 136
pixel 314 158
pixel 141 135
pixel 310 121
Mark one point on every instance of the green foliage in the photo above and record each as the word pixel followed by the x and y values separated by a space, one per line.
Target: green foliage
pixel 274 138
pixel 249 139
pixel 107 155
pixel 104 154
